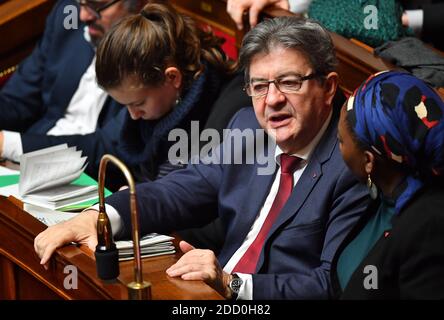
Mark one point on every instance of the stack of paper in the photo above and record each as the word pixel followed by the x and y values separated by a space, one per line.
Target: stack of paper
pixel 61 196
pixel 48 178
pixel 47 216
pixel 49 167
pixel 151 245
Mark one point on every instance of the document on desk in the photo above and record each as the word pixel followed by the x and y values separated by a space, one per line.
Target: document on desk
pixel 52 178
pixel 49 167
pixel 151 245
pixel 47 216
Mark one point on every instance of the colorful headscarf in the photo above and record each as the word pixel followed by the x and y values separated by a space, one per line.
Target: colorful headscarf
pixel 399 117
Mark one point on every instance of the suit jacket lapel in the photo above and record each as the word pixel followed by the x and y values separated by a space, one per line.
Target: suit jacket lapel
pixel 297 198
pixel 256 192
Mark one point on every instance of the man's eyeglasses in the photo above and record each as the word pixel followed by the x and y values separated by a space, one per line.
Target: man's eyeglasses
pixel 287 84
pixel 96 6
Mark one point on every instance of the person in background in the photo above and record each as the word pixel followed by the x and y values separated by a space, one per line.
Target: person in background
pixel 167 73
pixel 423 17
pixel 283 224
pixel 391 135
pixel 53 96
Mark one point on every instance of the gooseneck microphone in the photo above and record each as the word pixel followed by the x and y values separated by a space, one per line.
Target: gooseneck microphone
pixel 107 255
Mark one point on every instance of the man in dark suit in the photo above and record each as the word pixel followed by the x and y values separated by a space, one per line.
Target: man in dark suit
pixel 53 97
pixel 286 206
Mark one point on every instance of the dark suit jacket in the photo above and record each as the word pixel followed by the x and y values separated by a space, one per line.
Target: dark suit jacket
pixel 295 261
pixel 409 260
pixel 39 92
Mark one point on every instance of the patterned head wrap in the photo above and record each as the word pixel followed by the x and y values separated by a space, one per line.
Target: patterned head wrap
pixel 399 117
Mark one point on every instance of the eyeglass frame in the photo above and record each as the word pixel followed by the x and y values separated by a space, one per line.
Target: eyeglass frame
pixel 85 3
pixel 276 84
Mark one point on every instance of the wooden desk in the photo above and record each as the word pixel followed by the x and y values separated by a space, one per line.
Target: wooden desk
pixel 21 25
pixel 22 277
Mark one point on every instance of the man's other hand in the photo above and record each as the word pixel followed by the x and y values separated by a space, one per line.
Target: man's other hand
pixel 80 229
pixel 198 264
pixel 236 9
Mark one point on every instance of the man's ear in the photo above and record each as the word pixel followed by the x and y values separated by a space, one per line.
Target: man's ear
pixel 331 84
pixel 369 162
pixel 174 77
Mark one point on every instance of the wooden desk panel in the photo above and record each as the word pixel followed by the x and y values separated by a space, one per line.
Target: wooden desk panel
pixel 22 277
pixel 21 25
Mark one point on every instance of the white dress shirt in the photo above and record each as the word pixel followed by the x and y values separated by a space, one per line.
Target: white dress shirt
pixel 80 117
pixel 299 6
pixel 246 290
pixel 83 111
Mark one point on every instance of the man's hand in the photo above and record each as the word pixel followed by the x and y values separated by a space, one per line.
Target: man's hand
pixel 405 20
pixel 80 229
pixel 236 9
pixel 198 264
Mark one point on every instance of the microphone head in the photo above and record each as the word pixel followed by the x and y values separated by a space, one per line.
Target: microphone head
pixel 107 262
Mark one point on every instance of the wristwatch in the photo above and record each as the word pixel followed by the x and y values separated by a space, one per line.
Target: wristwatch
pixel 235 285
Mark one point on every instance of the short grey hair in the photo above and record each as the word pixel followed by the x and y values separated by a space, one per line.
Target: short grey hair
pixel 305 35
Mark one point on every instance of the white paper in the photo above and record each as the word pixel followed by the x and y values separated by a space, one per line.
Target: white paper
pixel 47 216
pixel 151 245
pixel 46 176
pixel 8 172
pixel 149 239
pixel 63 192
pixel 49 167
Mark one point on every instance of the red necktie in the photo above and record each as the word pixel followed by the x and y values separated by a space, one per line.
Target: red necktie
pixel 247 264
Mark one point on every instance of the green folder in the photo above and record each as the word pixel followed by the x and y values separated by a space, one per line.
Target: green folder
pixel 83 180
pixel 8 180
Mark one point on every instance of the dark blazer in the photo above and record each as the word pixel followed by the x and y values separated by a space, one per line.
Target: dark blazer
pixel 39 92
pixel 409 259
pixel 295 262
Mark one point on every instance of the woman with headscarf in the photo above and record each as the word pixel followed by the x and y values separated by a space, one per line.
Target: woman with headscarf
pixel 391 135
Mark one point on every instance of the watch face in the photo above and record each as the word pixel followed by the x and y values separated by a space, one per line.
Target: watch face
pixel 235 284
